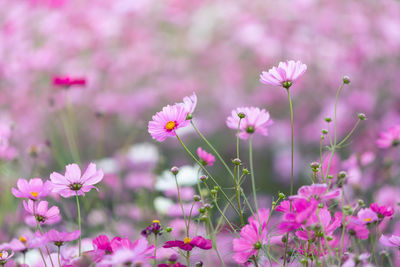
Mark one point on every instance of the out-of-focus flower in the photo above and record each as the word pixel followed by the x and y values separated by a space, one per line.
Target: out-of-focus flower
pixel 167 121
pixel 27 241
pixel 103 246
pixel 58 238
pixel 188 244
pixel 357 228
pixel 35 189
pixel 41 213
pixel 392 241
pixel 189 103
pixel 187 176
pixel 283 75
pixel 319 192
pixel 367 216
pixel 389 138
pixel 382 211
pixel 67 81
pixel 256 120
pixel 205 157
pixel 153 228
pixel 73 182
pixel 352 260
pixel 5 256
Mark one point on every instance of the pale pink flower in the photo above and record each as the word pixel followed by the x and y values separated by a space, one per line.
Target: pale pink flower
pixel 58 238
pixel 189 103
pixel 256 121
pixel 167 121
pixel 392 241
pixel 73 182
pixel 35 189
pixel 39 211
pixel 317 191
pixel 389 138
pixel 283 75
pixel 367 216
pixel 205 157
pixel 5 256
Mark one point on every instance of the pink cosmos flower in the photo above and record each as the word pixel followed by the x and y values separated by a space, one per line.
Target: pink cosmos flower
pixel 382 211
pixel 27 241
pixel 66 81
pixel 5 256
pixel 392 241
pixel 256 121
pixel 58 238
pixel 367 216
pixel 73 182
pixel 302 209
pixel 283 75
pixel 357 228
pixel 317 191
pixel 127 252
pixel 251 239
pixel 205 157
pixel 389 138
pixel 188 244
pixel 167 121
pixel 102 246
pixel 40 212
pixel 35 189
pixel 189 103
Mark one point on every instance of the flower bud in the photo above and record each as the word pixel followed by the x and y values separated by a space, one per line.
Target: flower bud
pixel 203 178
pixel 287 84
pixel 241 115
pixel 245 171
pixel 175 170
pixel 281 195
pixel 199 264
pixel 324 131
pixel 362 116
pixel 284 239
pixel 207 206
pixel 346 79
pixel 342 174
pixel 360 203
pixel 237 161
pixel 204 218
pixel 196 198
pixel 329 176
pixel 189 116
pixel 213 191
pixel 320 205
pixel 202 210
pixel 328 119
pixel 168 229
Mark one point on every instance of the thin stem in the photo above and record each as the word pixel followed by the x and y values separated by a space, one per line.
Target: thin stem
pixel 58 256
pixel 155 250
pixel 187 258
pixel 349 134
pixel 40 230
pixel 181 204
pixel 79 224
pixel 213 240
pixel 292 142
pixel 208 174
pixel 253 182
pixel 212 148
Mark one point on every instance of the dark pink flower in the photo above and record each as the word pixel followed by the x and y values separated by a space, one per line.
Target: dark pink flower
pixel 302 209
pixel 256 121
pixel 66 81
pixel 205 157
pixel 167 121
pixel 283 75
pixel 73 182
pixel 393 241
pixel 35 189
pixel 317 191
pixel 382 211
pixel 389 138
pixel 40 212
pixel 58 238
pixel 188 244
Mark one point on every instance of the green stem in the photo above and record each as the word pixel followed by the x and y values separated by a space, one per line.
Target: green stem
pixel 349 134
pixel 213 240
pixel 208 174
pixel 187 258
pixel 58 256
pixel 181 204
pixel 292 142
pixel 155 250
pixel 79 224
pixel 253 182
pixel 212 148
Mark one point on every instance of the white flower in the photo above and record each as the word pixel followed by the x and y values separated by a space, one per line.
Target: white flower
pixel 143 153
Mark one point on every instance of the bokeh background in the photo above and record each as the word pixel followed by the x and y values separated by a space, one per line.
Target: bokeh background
pixel 138 56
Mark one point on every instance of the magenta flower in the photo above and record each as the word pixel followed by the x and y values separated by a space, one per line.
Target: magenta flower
pixel 127 252
pixel 251 239
pixel 367 216
pixel 317 191
pixel 256 121
pixel 284 75
pixel 41 213
pixel 5 256
pixel 389 138
pixel 382 211
pixel 188 244
pixel 357 228
pixel 302 209
pixel 67 81
pixel 167 121
pixel 58 238
pixel 73 182
pixel 102 246
pixel 393 241
pixel 35 189
pixel 205 157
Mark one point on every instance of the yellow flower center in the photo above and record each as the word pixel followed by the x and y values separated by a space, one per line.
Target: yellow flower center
pixel 34 194
pixel 187 240
pixel 156 221
pixel 22 239
pixel 1 255
pixel 170 125
pixel 367 220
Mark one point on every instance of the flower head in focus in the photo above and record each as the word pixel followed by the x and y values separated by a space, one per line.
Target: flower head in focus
pixel 284 75
pixel 40 212
pixel 73 182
